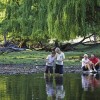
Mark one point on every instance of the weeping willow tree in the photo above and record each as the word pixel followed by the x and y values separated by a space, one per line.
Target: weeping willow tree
pixel 26 19
pixel 2 14
pixel 40 30
pixel 71 18
pixel 18 13
pixel 10 25
pixel 40 20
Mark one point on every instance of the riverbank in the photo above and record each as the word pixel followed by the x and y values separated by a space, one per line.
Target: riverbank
pixel 28 69
pixel 11 69
pixel 25 62
pixel 33 57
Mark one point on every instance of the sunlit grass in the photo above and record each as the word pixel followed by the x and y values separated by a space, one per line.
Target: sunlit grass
pixel 24 57
pixel 38 57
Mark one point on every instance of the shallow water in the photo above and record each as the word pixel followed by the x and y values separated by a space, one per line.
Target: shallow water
pixel 36 87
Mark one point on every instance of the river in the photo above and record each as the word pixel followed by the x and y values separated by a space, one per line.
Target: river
pixel 72 86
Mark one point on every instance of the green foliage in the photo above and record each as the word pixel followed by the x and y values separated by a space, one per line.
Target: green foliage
pixel 40 20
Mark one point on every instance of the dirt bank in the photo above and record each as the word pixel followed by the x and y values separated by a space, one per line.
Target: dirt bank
pixel 28 69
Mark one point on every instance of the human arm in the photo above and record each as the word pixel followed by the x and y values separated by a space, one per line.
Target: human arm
pixel 47 60
pixel 97 61
pixel 50 59
pixel 86 62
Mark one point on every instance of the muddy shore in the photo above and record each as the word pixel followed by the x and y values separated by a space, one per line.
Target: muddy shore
pixel 11 69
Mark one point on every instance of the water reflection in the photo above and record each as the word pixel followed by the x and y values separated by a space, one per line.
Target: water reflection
pixel 22 87
pixel 54 87
pixel 49 87
pixel 35 87
pixel 60 93
pixel 90 81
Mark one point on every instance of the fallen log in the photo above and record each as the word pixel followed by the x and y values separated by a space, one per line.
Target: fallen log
pixel 10 49
pixel 16 49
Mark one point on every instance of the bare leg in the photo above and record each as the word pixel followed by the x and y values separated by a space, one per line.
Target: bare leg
pixel 89 67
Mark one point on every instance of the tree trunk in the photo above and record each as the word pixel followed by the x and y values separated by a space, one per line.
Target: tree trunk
pixel 56 43
pixel 95 38
pixel 5 40
pixel 81 42
pixel 23 44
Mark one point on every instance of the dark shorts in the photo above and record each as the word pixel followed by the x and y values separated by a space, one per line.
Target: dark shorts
pixel 59 80
pixel 59 69
pixel 97 67
pixel 84 68
pixel 49 69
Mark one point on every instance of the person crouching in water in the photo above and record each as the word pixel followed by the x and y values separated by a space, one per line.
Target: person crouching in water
pixel 95 62
pixel 86 64
pixel 50 63
pixel 59 61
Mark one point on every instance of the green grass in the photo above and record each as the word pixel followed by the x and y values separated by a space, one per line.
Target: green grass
pixel 38 57
pixel 24 57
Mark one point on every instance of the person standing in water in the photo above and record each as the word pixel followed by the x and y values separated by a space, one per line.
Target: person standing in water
pixel 50 63
pixel 59 61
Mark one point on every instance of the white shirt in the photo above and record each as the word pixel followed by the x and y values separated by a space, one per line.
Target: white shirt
pixel 85 83
pixel 59 58
pixel 84 61
pixel 50 60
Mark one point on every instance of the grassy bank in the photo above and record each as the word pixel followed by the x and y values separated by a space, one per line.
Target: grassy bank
pixel 38 57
